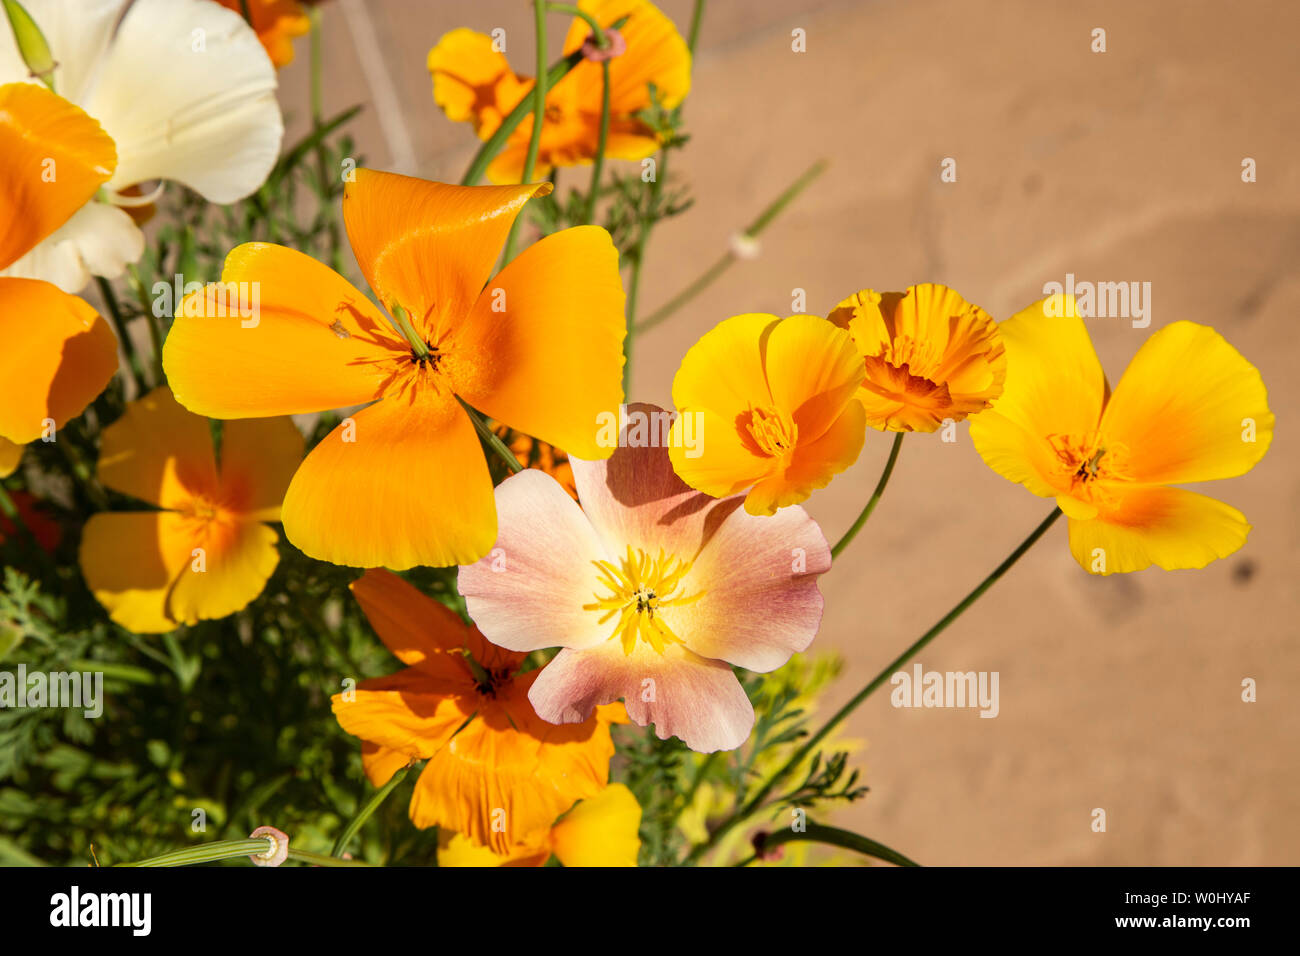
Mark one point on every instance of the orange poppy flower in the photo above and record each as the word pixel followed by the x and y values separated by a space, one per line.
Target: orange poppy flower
pixel 53 158
pixel 208 552
pixel 473 81
pixel 929 356
pixel 600 831
pixel 496 772
pixel 276 23
pixel 404 482
pixel 771 404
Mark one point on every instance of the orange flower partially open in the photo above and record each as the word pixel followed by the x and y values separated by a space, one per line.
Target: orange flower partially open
pixel 276 22
pixel 771 402
pixel 473 81
pixel 403 481
pixel 929 356
pixel 58 353
pixel 496 772
pixel 208 552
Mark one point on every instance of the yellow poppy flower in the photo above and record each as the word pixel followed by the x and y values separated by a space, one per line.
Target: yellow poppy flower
pixel 929 355
pixel 600 831
pixel 496 772
pixel 403 482
pixel 276 23
pixel 1189 408
pixel 59 353
pixel 473 81
pixel 772 404
pixel 208 552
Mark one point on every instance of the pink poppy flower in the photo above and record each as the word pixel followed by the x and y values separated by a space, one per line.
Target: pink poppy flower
pixel 653 591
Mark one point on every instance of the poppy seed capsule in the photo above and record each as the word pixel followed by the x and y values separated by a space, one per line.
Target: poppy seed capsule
pixel 276 853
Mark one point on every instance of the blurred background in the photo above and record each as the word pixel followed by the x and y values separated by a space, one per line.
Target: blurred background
pixel 1123 693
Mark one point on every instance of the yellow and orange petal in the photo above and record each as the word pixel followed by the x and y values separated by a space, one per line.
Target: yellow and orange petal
pixel 929 356
pixel 473 82
pixel 11 455
pixel 276 23
pixel 58 356
pixel 53 159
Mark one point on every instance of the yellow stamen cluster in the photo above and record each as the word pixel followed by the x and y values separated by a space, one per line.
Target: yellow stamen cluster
pixel 773 431
pixel 640 587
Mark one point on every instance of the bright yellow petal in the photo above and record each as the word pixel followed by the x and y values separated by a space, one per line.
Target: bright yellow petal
pixel 426 246
pixel 656 54
pixel 58 355
pixel 550 324
pixel 258 459
pixel 813 465
pixel 1054 392
pixel 53 158
pixel 237 559
pixel 159 453
pixel 456 850
pixel 472 80
pixel 1189 408
pixel 11 454
pixel 399 484
pixel 723 371
pixel 130 560
pixel 1149 524
pixel 813 370
pixel 301 338
pixel 601 830
pixel 718 462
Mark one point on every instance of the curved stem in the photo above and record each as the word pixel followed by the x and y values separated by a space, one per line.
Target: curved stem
pixel 492 439
pixel 206 853
pixel 756 801
pixel 119 326
pixel 596 31
pixel 365 813
pixel 874 500
pixel 832 836
pixel 320 859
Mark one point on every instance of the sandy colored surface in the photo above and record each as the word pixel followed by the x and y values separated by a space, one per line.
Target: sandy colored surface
pixel 1121 693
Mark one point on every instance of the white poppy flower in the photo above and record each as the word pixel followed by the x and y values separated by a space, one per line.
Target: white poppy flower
pixel 185 90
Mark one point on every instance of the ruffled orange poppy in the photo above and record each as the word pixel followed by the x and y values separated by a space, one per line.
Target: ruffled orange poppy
pixel 276 23
pixel 473 81
pixel 208 553
pixel 496 772
pixel 770 405
pixel 929 356
pixel 59 354
pixel 403 482
pixel 600 831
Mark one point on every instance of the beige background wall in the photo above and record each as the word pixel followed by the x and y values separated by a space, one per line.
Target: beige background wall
pixel 1121 693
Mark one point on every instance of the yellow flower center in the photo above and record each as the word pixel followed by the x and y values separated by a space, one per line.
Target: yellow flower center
pixel 1086 463
pixel 774 432
pixel 639 589
pixel 897 382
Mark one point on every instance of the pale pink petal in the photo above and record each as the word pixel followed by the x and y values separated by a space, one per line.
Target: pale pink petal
pixel 635 498
pixel 682 694
pixel 528 591
pixel 758 575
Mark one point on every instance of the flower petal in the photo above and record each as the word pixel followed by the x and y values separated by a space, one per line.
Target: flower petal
pixel 812 466
pixel 303 339
pixel 237 559
pixel 682 694
pixel 99 240
pixel 600 831
pixel 457 850
pixel 58 356
pixel 130 561
pixel 11 454
pixel 813 371
pixel 53 159
pixel 158 452
pixel 1150 524
pixel 411 718
pixel 1183 407
pixel 258 459
pixel 528 592
pixel 214 125
pixel 401 483
pixel 656 54
pixel 426 246
pixel 472 80
pixel 558 332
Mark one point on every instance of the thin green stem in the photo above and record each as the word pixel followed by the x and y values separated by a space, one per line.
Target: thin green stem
pixel 638 259
pixel 320 859
pixel 206 853
pixel 757 800
pixel 873 500
pixel 491 438
pixel 539 118
pixel 126 672
pixel 697 18
pixel 403 321
pixel 597 31
pixel 365 813
pixel 155 329
pixel 832 836
pixel 598 165
pixel 752 231
pixel 119 326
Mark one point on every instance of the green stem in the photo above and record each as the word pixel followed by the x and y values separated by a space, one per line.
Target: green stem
pixel 207 853
pixel 403 321
pixel 365 813
pixel 754 229
pixel 81 472
pixel 756 801
pixel 119 326
pixel 873 500
pixel 832 836
pixel 602 41
pixel 598 165
pixel 697 17
pixel 492 439
pixel 155 329
pixel 539 118
pixel 320 859
pixel 638 258
pixel 126 672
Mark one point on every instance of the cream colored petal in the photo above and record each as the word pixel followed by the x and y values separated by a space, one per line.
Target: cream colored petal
pixel 99 240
